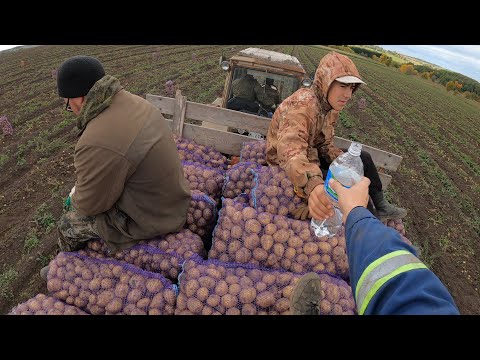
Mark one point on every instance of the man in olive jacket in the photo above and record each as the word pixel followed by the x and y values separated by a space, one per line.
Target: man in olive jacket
pixel 129 179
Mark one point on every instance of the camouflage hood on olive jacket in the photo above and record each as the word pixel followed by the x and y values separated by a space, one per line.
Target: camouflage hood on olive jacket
pixel 302 127
pixel 98 99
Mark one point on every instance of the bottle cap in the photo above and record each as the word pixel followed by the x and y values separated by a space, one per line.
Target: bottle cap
pixel 355 149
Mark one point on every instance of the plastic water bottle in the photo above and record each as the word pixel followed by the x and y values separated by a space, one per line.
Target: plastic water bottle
pixel 347 169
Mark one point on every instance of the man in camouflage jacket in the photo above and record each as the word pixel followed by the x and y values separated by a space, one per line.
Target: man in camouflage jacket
pixel 300 138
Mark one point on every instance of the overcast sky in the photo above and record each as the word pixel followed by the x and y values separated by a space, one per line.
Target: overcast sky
pixel 464 59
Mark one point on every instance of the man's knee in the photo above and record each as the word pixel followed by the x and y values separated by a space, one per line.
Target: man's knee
pixel 365 156
pixel 72 225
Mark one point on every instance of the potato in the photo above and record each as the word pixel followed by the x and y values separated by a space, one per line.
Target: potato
pixel 154 285
pixel 338 253
pixel 234 246
pixel 207 310
pixel 325 259
pixel 260 254
pixel 251 241
pixel 207 281
pixel 337 309
pixel 194 305
pixel 202 294
pixel 267 242
pixel 287 291
pixel 143 303
pixel 330 267
pixel 296 268
pixel 170 297
pixel 158 301
pixel 295 242
pixel 282 305
pixel 104 298
pixel 265 299
pixel 269 279
pixel 213 300
pixel 54 284
pixel 234 289
pixel 332 294
pixel 253 226
pixel 114 306
pixel 248 309
pixel 310 248
pixel 325 307
pixel 214 273
pixel 229 301
pixel 249 213
pixel 281 236
pixel 191 287
pixel 243 256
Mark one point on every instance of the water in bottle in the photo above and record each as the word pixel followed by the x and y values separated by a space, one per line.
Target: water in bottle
pixel 347 169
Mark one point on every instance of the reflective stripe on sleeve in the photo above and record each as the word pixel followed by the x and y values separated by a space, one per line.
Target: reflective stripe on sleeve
pixel 380 271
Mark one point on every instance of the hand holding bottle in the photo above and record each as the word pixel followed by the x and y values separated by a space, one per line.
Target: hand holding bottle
pixel 350 198
pixel 319 205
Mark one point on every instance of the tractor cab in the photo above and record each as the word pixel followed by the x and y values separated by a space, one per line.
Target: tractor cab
pixel 279 75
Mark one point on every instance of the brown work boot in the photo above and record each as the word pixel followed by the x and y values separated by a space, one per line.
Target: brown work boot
pixel 307 295
pixel 385 210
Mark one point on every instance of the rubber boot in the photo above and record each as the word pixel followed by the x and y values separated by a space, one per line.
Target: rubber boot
pixel 44 272
pixel 385 210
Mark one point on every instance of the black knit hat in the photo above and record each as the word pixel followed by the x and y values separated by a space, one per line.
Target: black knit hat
pixel 77 75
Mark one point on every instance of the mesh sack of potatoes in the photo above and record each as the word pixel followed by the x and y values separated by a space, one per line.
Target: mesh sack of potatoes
pixel 398 225
pixel 189 150
pixel 106 286
pixel 167 264
pixel 201 216
pixel 273 192
pixel 239 179
pixel 211 287
pixel 45 305
pixel 205 179
pixel 245 235
pixel 254 151
pixel 183 243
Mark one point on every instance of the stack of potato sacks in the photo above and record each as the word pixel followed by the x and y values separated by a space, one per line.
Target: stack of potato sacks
pixel 256 252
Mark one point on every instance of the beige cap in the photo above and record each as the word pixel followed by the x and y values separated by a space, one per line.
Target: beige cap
pixel 350 80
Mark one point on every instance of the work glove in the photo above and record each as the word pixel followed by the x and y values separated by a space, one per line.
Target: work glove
pixel 301 212
pixel 67 205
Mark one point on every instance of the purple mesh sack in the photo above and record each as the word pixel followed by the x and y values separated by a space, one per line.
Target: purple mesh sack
pixel 273 192
pixel 201 216
pixel 245 235
pixel 396 224
pixel 192 152
pixel 239 179
pixel 400 227
pixel 104 286
pixel 211 287
pixel 254 151
pixel 184 244
pixel 146 258
pixel 45 305
pixel 205 179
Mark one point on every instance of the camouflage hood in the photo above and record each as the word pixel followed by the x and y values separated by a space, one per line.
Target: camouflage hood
pixel 332 66
pixel 98 99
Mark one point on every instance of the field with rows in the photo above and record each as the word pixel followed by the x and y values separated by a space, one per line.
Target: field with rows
pixel 436 133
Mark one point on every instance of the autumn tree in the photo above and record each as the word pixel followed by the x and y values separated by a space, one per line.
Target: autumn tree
pixel 408 69
pixel 385 59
